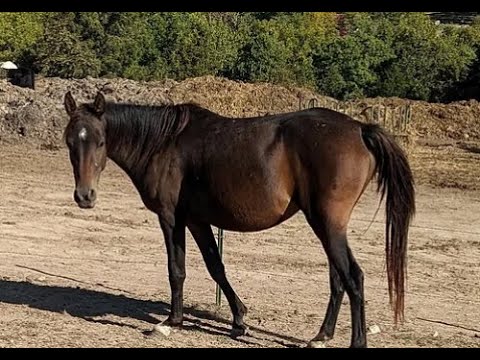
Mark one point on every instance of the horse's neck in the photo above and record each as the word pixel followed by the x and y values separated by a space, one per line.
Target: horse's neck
pixel 126 155
pixel 124 163
pixel 132 148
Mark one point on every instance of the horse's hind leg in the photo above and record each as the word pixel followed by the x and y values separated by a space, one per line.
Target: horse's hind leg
pixel 334 240
pixel 337 292
pixel 203 235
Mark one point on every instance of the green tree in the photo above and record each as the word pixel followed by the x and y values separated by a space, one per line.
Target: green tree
pixel 428 59
pixel 128 47
pixel 469 86
pixel 347 66
pixel 19 31
pixel 280 49
pixel 193 44
pixel 62 52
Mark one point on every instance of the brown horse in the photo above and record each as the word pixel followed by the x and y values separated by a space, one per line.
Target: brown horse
pixel 195 168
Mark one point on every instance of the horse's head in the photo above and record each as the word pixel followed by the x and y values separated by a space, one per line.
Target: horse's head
pixel 85 138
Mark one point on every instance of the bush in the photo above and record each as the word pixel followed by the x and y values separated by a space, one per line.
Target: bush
pixel 367 54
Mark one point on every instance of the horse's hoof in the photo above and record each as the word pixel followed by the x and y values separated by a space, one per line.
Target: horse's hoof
pixel 239 331
pixel 317 344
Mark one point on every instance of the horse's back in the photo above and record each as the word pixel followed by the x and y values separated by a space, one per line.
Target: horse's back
pixel 254 173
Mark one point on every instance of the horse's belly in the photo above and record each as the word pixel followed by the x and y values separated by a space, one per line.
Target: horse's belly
pixel 247 215
pixel 255 192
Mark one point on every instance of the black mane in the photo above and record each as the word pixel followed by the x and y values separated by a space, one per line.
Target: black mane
pixel 144 128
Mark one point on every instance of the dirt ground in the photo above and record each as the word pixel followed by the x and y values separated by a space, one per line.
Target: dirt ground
pixel 98 278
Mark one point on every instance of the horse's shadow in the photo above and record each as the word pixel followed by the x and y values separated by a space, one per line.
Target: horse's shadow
pixel 88 304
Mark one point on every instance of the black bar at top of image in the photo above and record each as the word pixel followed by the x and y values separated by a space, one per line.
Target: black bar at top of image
pixel 239 5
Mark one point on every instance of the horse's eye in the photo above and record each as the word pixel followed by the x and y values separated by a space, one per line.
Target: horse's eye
pixel 101 143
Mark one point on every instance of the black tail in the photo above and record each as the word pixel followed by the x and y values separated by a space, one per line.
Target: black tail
pixel 395 180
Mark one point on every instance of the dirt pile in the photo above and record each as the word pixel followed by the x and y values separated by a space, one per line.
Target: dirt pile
pixel 38 115
pixel 457 121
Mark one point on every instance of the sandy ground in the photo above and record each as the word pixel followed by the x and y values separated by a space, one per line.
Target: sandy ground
pixel 76 278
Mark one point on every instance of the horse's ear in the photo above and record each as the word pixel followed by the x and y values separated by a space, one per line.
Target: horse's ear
pixel 99 104
pixel 69 102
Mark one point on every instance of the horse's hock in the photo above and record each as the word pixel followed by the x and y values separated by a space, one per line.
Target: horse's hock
pixel 394 118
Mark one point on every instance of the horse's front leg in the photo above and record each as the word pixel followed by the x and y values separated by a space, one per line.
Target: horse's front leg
pixel 174 233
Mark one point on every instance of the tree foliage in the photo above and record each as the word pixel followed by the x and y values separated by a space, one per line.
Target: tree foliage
pixel 364 54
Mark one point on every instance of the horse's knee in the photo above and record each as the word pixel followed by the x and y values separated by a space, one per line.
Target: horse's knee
pixel 177 279
pixel 336 286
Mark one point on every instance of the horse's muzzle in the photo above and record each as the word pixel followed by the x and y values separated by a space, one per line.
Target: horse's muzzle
pixel 85 199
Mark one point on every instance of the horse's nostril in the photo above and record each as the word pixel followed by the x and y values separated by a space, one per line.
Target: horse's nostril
pixel 92 195
pixel 76 196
